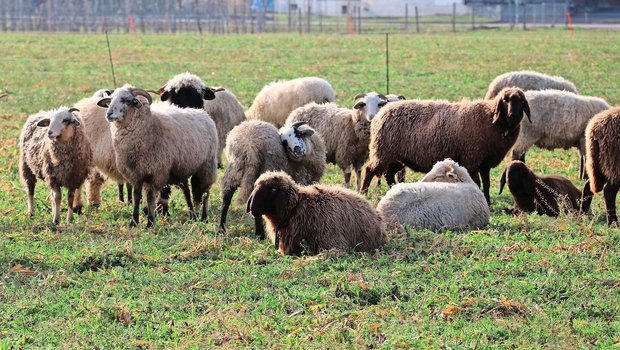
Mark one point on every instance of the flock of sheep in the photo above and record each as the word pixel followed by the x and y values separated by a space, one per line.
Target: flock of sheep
pixel 277 151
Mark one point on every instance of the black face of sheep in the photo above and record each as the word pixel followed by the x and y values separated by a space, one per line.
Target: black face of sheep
pixel 510 108
pixel 521 181
pixel 293 139
pixel 187 96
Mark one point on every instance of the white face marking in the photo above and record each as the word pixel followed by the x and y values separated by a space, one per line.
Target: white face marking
pixel 372 103
pixel 59 121
pixel 292 142
pixel 121 98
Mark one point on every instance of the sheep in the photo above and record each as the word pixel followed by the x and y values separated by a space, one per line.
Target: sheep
pixel 559 120
pixel 187 90
pixel 255 147
pixel 476 134
pixel 325 217
pixel 346 132
pixel 539 193
pixel 161 144
pixel 603 161
pixel 277 100
pixel 53 148
pixel 394 97
pixel 446 198
pixel 528 80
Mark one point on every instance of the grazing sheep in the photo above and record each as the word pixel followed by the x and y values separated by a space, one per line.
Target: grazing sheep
pixel 446 198
pixel 528 80
pixel 255 147
pixel 539 193
pixel 161 144
pixel 53 148
pixel 559 120
pixel 603 161
pixel 314 218
pixel 476 134
pixel 189 91
pixel 277 100
pixel 346 132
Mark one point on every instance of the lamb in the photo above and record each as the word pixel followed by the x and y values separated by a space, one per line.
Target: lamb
pixel 559 120
pixel 277 100
pixel 53 148
pixel 539 193
pixel 325 217
pixel 346 132
pixel 161 144
pixel 603 161
pixel 255 147
pixel 446 198
pixel 476 134
pixel 528 80
pixel 187 90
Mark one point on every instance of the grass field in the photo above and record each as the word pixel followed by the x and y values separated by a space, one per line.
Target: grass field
pixel 524 282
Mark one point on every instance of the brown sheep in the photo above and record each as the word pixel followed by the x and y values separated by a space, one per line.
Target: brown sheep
pixel 325 217
pixel 539 193
pixel 603 160
pixel 476 134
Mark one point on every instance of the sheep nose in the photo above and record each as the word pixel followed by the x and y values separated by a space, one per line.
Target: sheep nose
pixel 51 135
pixel 297 149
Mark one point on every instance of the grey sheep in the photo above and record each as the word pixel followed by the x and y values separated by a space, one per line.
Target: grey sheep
pixel 255 147
pixel 314 218
pixel 161 144
pixel 53 148
pixel 476 134
pixel 526 81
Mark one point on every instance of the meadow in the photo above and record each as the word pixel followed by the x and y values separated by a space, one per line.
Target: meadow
pixel 523 282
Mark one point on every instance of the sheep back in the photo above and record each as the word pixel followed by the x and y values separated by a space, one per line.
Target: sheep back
pixel 227 113
pixel 528 80
pixel 602 145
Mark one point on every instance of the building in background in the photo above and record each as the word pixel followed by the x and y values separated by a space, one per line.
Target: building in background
pixel 373 8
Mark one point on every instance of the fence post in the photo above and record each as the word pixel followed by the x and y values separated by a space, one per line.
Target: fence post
pixel 524 15
pixel 406 17
pixel 417 20
pixel 309 18
pixel 299 20
pixel 473 18
pixel 359 20
pixel 387 64
pixel 290 19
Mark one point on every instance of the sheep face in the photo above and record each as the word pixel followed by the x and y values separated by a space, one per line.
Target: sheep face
pixel 294 138
pixel 271 195
pixel 394 98
pixel 521 180
pixel 449 171
pixel 511 104
pixel 368 105
pixel 186 91
pixel 60 124
pixel 123 100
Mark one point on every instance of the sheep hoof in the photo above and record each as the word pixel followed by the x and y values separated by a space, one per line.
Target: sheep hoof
pixel 132 223
pixel 56 222
pixel 192 215
pixel 78 209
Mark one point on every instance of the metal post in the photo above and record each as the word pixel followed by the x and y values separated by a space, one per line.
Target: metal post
pixel 299 19
pixel 359 20
pixel 387 63
pixel 107 39
pixel 417 20
pixel 454 17
pixel 473 17
pixel 524 15
pixel 309 18
pixel 406 17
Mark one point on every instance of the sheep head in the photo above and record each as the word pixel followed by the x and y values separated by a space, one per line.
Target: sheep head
pixel 511 104
pixel 102 93
pixel 368 105
pixel 123 100
pixel 186 90
pixel 521 180
pixel 394 98
pixel 295 139
pixel 60 123
pixel 447 170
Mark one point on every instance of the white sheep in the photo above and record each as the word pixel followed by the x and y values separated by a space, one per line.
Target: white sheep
pixel 346 132
pixel 161 144
pixel 437 205
pixel 277 100
pixel 526 81
pixel 559 120
pixel 53 148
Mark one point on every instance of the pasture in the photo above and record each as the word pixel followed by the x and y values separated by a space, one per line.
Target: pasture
pixel 523 282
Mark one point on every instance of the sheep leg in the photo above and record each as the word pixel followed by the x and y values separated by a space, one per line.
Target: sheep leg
pixel 162 202
pixel 486 183
pixel 94 182
pixel 370 174
pixel 582 167
pixel 390 175
pixel 151 198
pixel 358 178
pixel 121 194
pixel 610 191
pixel 226 200
pixel 31 185
pixel 200 192
pixel 56 197
pixel 76 203
pixel 205 205
pixel 137 198
pixel 347 177
pixel 586 199
pixel 401 175
pixel 70 198
pixel 260 227
pixel 188 199
pixel 129 190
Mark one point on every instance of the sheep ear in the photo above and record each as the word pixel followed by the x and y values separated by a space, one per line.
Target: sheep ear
pixel 75 121
pixel 136 102
pixel 305 130
pixel 104 102
pixel 500 111
pixel 526 107
pixel 401 97
pixel 209 94
pixel 502 182
pixel 248 208
pixel 452 175
pixel 44 123
pixel 359 105
pixel 164 96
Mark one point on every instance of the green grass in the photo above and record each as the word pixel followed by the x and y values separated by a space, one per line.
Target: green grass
pixel 523 282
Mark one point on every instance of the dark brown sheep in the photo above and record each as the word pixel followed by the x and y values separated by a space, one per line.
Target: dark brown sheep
pixel 603 160
pixel 539 193
pixel 325 217
pixel 476 134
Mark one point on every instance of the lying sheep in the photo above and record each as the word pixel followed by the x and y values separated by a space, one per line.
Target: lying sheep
pixel 603 161
pixel 542 194
pixel 314 218
pixel 446 198
pixel 277 100
pixel 559 121
pixel 161 144
pixel 189 91
pixel 255 147
pixel 476 134
pixel 528 80
pixel 346 132
pixel 53 148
